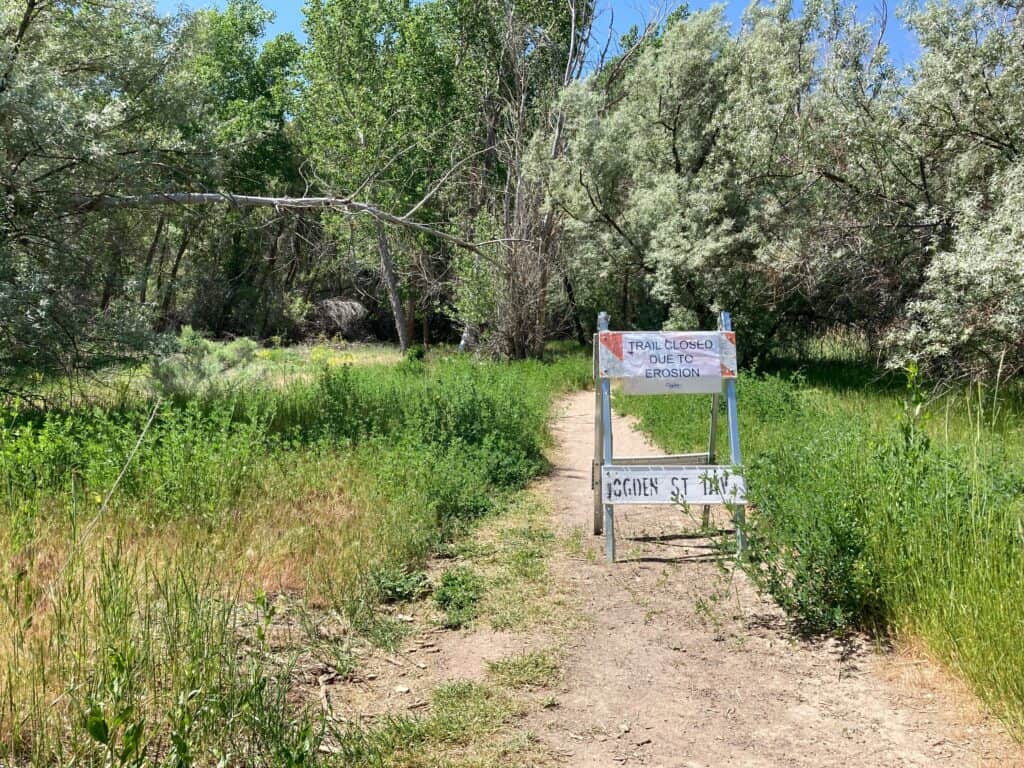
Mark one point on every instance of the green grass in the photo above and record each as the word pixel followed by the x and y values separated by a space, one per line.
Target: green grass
pixel 241 364
pixel 511 552
pixel 536 669
pixel 123 629
pixel 879 508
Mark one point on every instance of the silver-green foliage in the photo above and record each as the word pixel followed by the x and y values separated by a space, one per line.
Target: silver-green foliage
pixel 792 173
pixel 81 84
pixel 198 366
pixel 970 313
pixel 967 95
pixel 692 170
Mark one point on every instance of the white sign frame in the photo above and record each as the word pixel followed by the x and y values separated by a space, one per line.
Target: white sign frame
pixel 616 356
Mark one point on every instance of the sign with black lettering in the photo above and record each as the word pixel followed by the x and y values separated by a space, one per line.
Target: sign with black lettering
pixel 624 484
pixel 662 363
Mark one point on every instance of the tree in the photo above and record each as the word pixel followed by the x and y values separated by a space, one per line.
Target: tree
pixel 528 52
pixel 243 142
pixel 966 109
pixel 86 94
pixel 753 172
pixel 378 114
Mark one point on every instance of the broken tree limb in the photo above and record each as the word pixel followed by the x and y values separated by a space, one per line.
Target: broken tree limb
pixel 341 204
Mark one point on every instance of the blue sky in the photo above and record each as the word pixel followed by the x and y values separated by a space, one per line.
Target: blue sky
pixel 624 12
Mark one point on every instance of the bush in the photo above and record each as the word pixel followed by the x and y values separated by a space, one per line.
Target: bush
pixel 198 365
pixel 457 594
pixel 968 320
pixel 370 469
pixel 809 537
pixel 399 583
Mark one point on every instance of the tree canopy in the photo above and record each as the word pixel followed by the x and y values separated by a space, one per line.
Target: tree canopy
pixel 513 177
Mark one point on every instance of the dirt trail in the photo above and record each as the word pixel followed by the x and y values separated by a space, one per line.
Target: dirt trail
pixel 680 663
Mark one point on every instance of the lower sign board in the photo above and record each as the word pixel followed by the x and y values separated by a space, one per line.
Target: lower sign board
pixel 704 385
pixel 625 484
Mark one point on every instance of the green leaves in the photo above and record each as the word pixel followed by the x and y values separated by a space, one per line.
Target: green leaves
pixel 97 726
pixel 107 731
pixel 791 173
pixel 457 593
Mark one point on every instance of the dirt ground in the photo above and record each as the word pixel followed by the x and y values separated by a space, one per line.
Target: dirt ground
pixel 670 657
pixel 682 663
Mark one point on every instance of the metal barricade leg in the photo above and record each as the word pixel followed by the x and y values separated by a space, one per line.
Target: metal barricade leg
pixel 705 520
pixel 608 452
pixel 738 510
pixel 595 479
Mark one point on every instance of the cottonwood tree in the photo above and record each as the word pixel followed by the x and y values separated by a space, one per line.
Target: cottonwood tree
pixel 525 53
pixel 381 115
pixel 110 99
pixel 246 267
pixel 439 103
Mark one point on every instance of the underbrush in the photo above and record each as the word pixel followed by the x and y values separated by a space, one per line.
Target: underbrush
pixel 132 536
pixel 878 510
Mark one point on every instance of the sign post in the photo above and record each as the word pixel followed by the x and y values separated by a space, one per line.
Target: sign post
pixel 607 450
pixel 688 362
pixel 732 410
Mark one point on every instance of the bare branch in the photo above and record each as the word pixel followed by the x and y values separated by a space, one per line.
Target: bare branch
pixel 339 204
pixel 441 181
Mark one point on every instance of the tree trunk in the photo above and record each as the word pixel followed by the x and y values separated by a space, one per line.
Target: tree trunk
pixel 574 311
pixel 268 273
pixel 160 266
pixel 624 308
pixel 150 254
pixel 108 291
pixel 387 268
pixel 168 299
pixel 466 340
pixel 112 275
pixel 410 318
pixel 340 204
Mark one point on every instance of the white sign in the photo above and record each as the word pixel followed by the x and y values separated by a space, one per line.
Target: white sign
pixel 701 385
pixel 662 363
pixel 623 484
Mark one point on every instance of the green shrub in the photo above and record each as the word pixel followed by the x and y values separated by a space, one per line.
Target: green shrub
pixel 458 593
pixel 198 364
pixel 418 452
pixel 203 452
pixel 809 537
pixel 399 583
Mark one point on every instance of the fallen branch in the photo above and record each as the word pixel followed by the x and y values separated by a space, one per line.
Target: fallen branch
pixel 342 204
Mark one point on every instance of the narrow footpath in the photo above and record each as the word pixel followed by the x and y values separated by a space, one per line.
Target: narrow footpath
pixel 679 662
